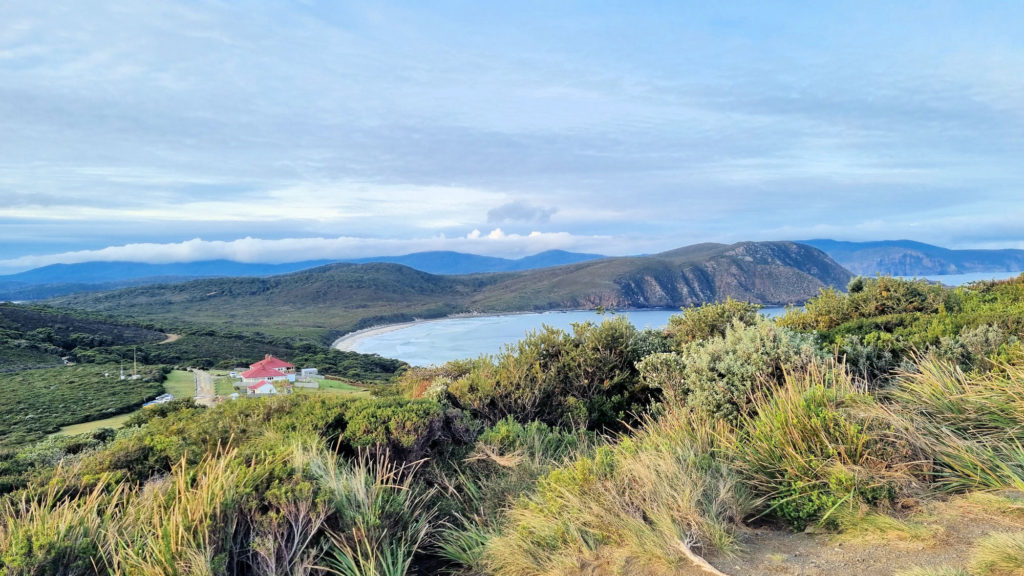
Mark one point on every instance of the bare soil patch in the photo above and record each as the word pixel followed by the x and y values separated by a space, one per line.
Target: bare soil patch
pixel 949 530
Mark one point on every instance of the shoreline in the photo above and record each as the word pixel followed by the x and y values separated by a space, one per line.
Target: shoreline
pixel 348 342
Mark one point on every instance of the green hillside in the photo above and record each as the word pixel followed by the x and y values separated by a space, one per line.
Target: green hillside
pixel 331 300
pixel 871 429
pixel 36 336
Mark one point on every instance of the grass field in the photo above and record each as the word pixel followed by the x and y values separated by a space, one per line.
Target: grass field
pixel 334 386
pixel 223 385
pixel 114 422
pixel 180 383
pixel 35 403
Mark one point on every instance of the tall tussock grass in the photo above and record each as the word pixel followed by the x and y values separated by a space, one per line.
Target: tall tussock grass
pixel 301 510
pixel 818 444
pixel 184 523
pixel 506 462
pixel 971 426
pixel 51 534
pixel 999 554
pixel 381 516
pixel 640 506
pixel 814 449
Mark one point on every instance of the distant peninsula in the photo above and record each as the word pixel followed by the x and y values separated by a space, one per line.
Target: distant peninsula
pixel 909 258
pixel 335 299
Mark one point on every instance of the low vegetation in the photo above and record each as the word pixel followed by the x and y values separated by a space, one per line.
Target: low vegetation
pixel 601 450
pixel 39 337
pixel 38 402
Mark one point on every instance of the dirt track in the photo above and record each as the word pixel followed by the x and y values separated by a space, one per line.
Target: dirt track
pixel 204 387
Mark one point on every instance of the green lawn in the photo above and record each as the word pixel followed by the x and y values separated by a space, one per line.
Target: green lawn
pixel 224 385
pixel 336 387
pixel 113 422
pixel 180 383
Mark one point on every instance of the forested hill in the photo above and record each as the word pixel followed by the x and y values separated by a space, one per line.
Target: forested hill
pixel 33 337
pixel 908 258
pixel 759 272
pixel 446 262
pixel 338 298
pixel 62 279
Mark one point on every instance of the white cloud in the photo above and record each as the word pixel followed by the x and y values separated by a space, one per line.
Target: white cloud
pixel 317 119
pixel 341 202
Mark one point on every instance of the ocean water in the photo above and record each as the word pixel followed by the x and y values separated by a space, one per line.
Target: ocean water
pixel 439 341
pixel 961 279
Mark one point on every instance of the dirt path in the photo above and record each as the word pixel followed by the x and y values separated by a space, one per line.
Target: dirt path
pixel 947 532
pixel 204 388
pixel 170 338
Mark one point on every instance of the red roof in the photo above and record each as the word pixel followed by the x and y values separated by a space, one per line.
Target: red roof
pixel 258 385
pixel 272 363
pixel 261 372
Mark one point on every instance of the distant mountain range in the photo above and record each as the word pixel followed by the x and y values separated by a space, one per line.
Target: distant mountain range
pixel 909 258
pixel 897 257
pixel 61 279
pixel 441 262
pixel 338 298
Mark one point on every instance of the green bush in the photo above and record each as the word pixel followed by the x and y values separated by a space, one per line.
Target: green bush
pixel 718 377
pixel 884 322
pixel 407 429
pixel 534 439
pixel 585 379
pixel 709 320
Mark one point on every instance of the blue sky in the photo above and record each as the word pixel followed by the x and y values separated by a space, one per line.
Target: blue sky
pixel 276 131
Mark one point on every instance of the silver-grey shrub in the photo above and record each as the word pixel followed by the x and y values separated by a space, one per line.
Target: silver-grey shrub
pixel 718 376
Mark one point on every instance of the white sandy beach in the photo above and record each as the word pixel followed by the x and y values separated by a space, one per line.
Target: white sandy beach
pixel 348 342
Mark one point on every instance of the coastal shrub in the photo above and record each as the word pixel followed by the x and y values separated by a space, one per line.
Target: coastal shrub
pixel 157 440
pixel 534 439
pixel 816 444
pixel 884 322
pixel 585 379
pixel 828 309
pixel 709 320
pixel 719 376
pixel 872 362
pixel 407 429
